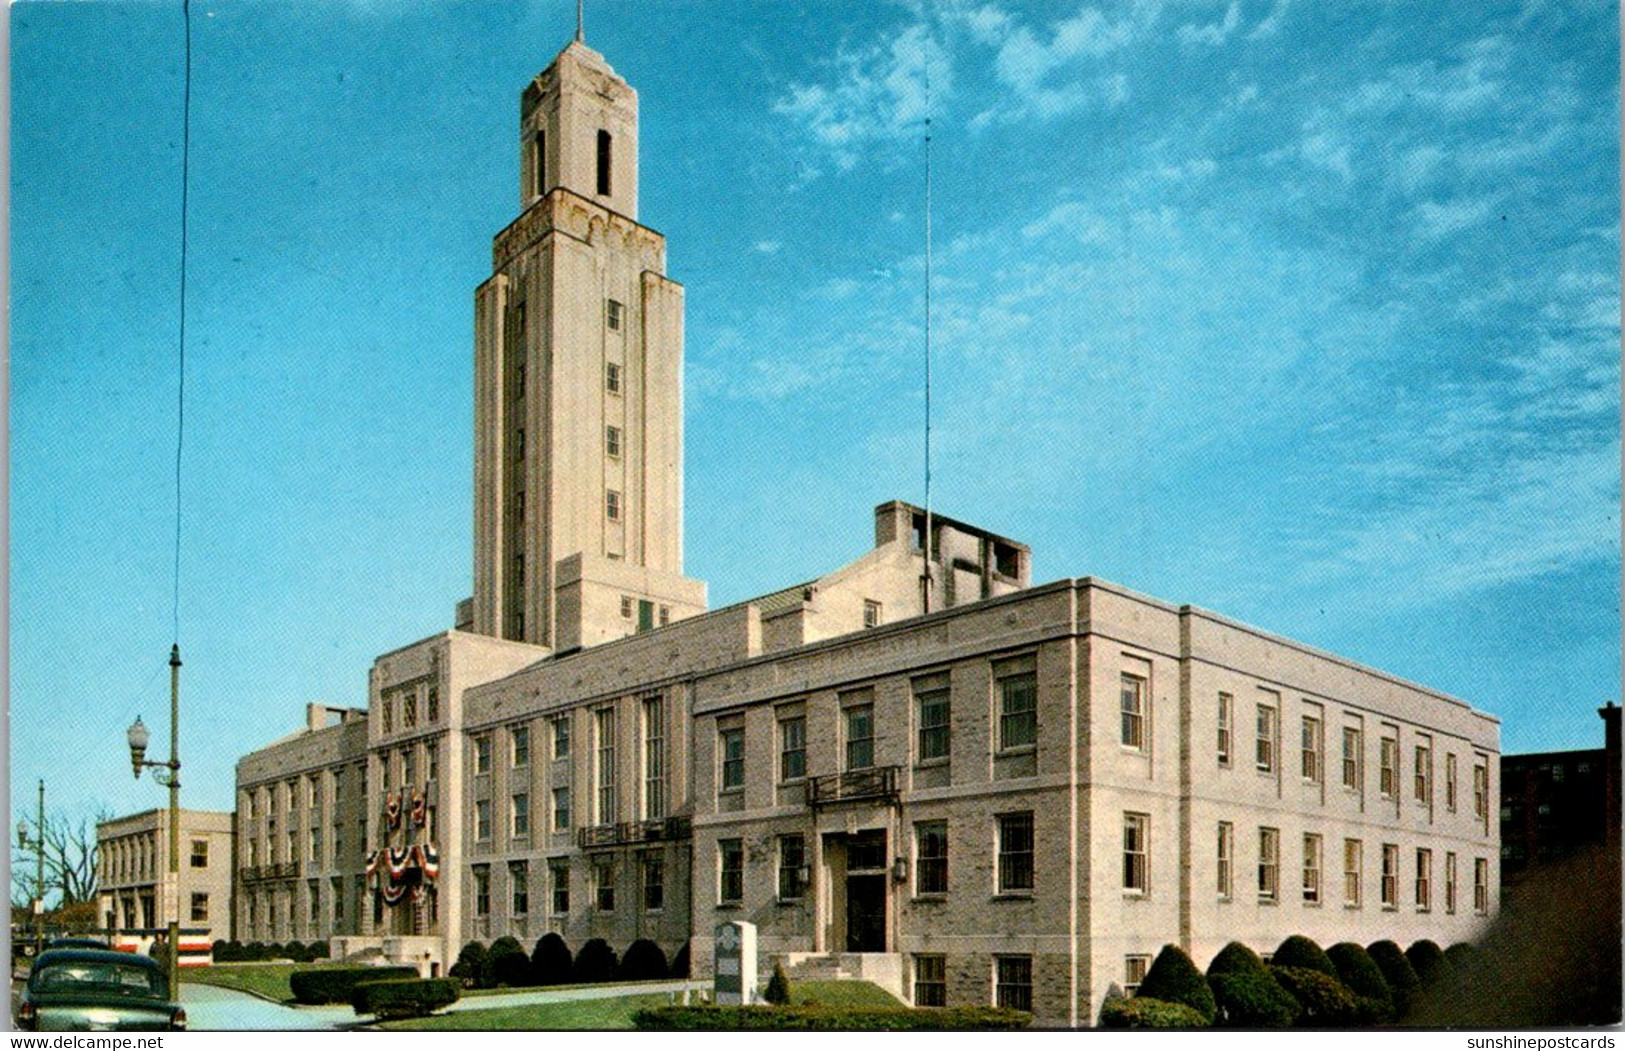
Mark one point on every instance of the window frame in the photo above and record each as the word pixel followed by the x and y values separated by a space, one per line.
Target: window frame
pixel 1223 746
pixel 1017 692
pixel 1224 860
pixel 1132 697
pixel 1353 873
pixel 1353 758
pixel 1136 855
pixel 1390 877
pixel 930 862
pixel 730 877
pixel 1269 865
pixel 792 858
pixel 1314 862
pixel 855 717
pixel 1012 864
pixel 930 989
pixel 786 751
pixel 1267 728
pixel 933 741
pixel 730 759
pixel 1311 740
pixel 1013 981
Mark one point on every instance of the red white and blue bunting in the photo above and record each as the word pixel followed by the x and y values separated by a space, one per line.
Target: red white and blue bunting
pixel 408 871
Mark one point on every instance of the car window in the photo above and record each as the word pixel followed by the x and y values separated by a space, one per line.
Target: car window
pixel 70 977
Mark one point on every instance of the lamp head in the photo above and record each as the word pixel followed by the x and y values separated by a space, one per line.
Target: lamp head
pixel 138 737
pixel 22 833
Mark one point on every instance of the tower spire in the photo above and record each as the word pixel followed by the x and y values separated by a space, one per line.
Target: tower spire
pixel 581 31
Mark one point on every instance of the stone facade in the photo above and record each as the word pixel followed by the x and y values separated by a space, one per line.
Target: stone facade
pixel 916 768
pixel 134 886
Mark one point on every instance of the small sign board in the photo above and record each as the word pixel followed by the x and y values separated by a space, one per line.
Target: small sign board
pixel 735 980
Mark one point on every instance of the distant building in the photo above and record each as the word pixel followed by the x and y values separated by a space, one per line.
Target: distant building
pixel 916 768
pixel 134 884
pixel 1556 803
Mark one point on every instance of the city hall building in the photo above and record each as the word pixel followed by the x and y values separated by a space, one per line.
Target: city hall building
pixel 919 768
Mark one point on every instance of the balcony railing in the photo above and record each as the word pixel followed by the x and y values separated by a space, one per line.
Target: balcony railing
pixel 628 832
pixel 875 783
pixel 280 870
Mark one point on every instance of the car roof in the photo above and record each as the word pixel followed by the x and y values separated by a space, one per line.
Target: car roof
pixel 95 956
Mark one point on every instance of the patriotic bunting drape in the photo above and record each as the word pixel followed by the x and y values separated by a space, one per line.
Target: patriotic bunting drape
pixel 406 872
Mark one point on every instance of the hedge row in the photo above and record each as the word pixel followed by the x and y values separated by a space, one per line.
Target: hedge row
pixel 253 952
pixel 336 985
pixel 711 1017
pixel 505 963
pixel 1302 985
pixel 404 999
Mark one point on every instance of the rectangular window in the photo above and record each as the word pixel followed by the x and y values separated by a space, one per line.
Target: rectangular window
pixel 1135 867
pixel 482 757
pixel 654 758
pixel 482 819
pixel 930 858
pixel 1450 882
pixel 200 853
pixel 731 747
pixel 1423 774
pixel 871 613
pixel 200 908
pixel 931 706
pixel 1226 713
pixel 792 748
pixel 1390 875
pixel 1269 864
pixel 561 809
pixel 520 738
pixel 387 712
pixel 930 981
pixel 604 730
pixel 1481 791
pixel 337 894
pixel 1013 982
pixel 1388 775
pixel 1264 752
pixel 612 313
pixel 605 148
pixel 612 442
pixel 521 814
pixel 538 163
pixel 612 378
pixel 1015 850
pixel 654 881
pixel 860 736
pixel 1351 757
pixel 1353 863
pixel 1134 968
pixel 1225 852
pixel 612 505
pixel 315 846
pixel 409 767
pixel 409 714
pixel 730 871
pixel 1481 886
pixel 1424 879
pixel 519 884
pixel 1311 868
pixel 1131 701
pixel 482 890
pixel 603 883
pixel 561 736
pixel 1310 743
pixel 1450 782
pixel 1016 682
pixel 792 856
pixel 558 874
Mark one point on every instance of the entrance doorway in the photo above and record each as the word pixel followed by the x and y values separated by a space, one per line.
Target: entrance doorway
pixel 866 891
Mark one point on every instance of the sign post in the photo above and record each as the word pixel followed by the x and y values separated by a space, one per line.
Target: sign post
pixel 735 981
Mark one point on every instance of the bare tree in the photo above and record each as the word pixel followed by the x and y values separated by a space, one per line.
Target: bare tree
pixel 70 860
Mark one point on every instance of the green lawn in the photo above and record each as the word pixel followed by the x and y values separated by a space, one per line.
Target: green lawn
pixel 504 990
pixel 264 979
pixel 842 994
pixel 613 1013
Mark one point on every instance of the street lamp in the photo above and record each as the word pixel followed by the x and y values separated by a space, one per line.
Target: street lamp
pixel 167 774
pixel 38 845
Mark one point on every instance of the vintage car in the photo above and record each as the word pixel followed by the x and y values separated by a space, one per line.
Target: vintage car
pixel 97 989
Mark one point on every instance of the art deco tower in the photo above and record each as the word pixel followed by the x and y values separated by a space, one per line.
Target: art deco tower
pixel 578 412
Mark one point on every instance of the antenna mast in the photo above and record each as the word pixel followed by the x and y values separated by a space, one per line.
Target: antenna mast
pixel 926 578
pixel 581 33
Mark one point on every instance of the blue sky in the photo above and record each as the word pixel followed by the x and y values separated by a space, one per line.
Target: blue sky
pixel 1304 312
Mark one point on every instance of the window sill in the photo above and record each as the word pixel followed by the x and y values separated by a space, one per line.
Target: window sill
pixel 1224 899
pixel 789 782
pixel 729 905
pixel 1390 908
pixel 929 899
pixel 1020 749
pixel 1136 895
pixel 1351 906
pixel 1272 902
pixel 1013 895
pixel 1311 904
pixel 938 760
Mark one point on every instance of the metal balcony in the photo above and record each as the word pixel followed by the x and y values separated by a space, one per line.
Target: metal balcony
pixel 877 783
pixel 632 832
pixel 280 870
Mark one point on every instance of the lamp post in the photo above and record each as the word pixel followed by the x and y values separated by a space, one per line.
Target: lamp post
pixel 38 843
pixel 169 775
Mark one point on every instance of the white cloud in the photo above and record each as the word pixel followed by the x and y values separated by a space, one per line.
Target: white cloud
pixel 1213 34
pixel 1270 24
pixel 767 247
pixel 1437 219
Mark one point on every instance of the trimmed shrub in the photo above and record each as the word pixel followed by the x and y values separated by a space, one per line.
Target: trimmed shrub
pixel 1298 951
pixel 778 987
pixel 1236 958
pixel 1326 1003
pixel 679 962
pixel 595 962
pixel 319 951
pixel 1114 995
pixel 506 963
pixel 1398 973
pixel 296 952
pixel 222 952
pixel 1174 979
pixel 470 962
pixel 336 985
pixel 253 951
pixel 405 999
pixel 1248 999
pixel 1462 958
pixel 1427 959
pixel 807 1017
pixel 1144 1012
pixel 644 961
pixel 550 962
pixel 275 951
pixel 1362 977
